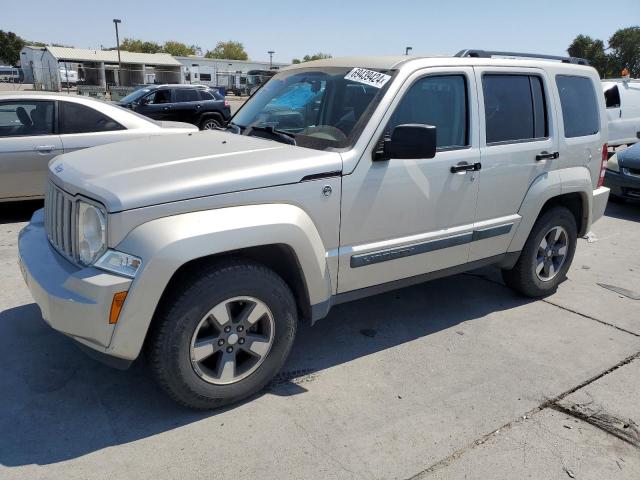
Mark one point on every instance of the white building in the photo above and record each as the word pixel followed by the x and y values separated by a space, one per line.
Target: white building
pixel 41 66
pixel 231 74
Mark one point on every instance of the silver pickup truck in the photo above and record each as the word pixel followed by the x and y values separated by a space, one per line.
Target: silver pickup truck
pixel 338 179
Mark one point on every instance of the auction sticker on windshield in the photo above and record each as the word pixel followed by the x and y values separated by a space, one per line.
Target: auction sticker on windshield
pixel 368 77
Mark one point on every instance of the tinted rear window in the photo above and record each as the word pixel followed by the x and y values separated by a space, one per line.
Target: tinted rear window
pixel 514 107
pixel 579 106
pixel 187 95
pixel 76 118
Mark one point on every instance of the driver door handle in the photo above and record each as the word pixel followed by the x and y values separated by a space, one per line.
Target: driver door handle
pixel 466 167
pixel 547 156
pixel 45 148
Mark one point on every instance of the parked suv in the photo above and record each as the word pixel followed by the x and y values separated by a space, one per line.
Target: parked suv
pixel 207 250
pixel 196 104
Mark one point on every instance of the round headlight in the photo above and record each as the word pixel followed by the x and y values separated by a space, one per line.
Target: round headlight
pixel 92 233
pixel 612 163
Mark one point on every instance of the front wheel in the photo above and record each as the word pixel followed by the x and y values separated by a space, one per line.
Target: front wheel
pixel 225 336
pixel 546 256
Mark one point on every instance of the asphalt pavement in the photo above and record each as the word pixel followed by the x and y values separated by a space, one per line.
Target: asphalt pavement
pixel 456 378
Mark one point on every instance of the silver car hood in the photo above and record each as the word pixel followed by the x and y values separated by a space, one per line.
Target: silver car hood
pixel 163 169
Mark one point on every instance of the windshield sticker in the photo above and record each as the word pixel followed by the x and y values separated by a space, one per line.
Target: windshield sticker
pixel 368 77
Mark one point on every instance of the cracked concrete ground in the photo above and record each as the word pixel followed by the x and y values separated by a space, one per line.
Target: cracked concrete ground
pixel 457 378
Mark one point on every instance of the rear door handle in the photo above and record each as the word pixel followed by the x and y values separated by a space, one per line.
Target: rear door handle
pixel 466 167
pixel 547 156
pixel 45 148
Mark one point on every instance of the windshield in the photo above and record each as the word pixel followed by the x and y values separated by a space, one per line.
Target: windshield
pixel 132 97
pixel 320 107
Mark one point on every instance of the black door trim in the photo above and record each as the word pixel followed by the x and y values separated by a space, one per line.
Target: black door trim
pixel 386 254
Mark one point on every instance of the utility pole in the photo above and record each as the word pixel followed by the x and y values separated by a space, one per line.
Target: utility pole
pixel 407 50
pixel 271 52
pixel 116 21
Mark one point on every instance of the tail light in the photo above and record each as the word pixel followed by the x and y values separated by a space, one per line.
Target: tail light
pixel 227 104
pixel 603 164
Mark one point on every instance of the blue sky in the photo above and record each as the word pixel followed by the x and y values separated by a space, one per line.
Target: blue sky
pixel 346 27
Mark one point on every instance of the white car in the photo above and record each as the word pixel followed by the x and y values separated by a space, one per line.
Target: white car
pixel 36 127
pixel 623 110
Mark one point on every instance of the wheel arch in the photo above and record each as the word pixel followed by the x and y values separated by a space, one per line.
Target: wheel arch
pixel 280 236
pixel 207 115
pixel 570 187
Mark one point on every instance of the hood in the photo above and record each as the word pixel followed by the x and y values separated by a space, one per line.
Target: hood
pixel 181 125
pixel 630 157
pixel 164 169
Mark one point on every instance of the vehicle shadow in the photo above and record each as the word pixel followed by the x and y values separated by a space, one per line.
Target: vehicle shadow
pixel 13 212
pixel 629 210
pixel 58 404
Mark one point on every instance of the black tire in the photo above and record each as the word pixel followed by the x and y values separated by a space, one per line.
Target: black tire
pixel 169 344
pixel 522 277
pixel 213 121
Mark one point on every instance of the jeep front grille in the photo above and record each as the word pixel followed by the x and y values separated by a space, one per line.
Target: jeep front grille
pixel 60 221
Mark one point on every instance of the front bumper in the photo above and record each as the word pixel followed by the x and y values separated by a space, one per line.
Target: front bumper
pixel 73 300
pixel 622 185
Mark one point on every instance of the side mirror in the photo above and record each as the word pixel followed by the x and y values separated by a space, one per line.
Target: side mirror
pixel 410 141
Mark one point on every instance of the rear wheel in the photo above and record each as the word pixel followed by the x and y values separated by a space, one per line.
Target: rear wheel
pixel 225 337
pixel 210 124
pixel 546 256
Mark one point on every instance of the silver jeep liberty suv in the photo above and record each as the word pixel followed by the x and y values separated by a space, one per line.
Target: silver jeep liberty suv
pixel 338 179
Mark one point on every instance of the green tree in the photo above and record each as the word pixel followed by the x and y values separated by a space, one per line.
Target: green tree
pixel 310 58
pixel 10 46
pixel 139 46
pixel 583 46
pixel 625 50
pixel 230 50
pixel 178 49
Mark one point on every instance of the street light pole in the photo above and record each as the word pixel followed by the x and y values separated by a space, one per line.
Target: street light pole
pixel 116 21
pixel 407 50
pixel 271 52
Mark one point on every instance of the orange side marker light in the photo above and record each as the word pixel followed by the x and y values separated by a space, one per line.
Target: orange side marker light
pixel 116 306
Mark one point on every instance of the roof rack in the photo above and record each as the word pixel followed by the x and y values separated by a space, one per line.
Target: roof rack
pixel 491 53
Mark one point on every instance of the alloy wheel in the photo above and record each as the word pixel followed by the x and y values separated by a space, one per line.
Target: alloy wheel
pixel 552 253
pixel 232 340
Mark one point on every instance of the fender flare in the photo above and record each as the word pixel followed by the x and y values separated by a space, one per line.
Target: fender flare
pixel 546 187
pixel 167 243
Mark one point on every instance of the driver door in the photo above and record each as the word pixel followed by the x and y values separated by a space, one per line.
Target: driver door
pixel 157 105
pixel 404 218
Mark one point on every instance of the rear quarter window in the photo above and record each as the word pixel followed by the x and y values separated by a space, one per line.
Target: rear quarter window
pixel 579 106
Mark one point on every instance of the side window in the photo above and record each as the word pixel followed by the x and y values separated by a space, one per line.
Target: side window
pixel 187 95
pixel 205 77
pixel 77 118
pixel 612 97
pixel 514 107
pixel 26 118
pixel 579 106
pixel 206 95
pixel 440 101
pixel 159 96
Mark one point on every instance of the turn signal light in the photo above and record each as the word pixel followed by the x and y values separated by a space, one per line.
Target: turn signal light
pixel 116 306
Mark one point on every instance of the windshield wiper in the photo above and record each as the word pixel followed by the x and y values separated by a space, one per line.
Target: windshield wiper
pixel 277 135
